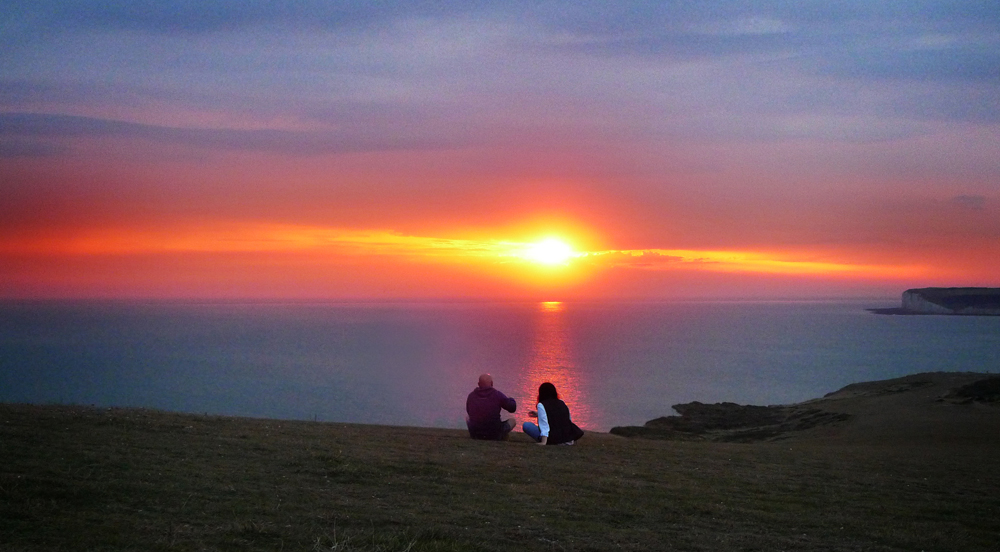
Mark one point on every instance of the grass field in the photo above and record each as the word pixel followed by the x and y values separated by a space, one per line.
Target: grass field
pixel 76 478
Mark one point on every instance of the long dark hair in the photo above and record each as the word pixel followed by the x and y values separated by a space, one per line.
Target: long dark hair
pixel 547 391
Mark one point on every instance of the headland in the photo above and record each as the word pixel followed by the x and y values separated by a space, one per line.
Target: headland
pixel 967 301
pixel 941 408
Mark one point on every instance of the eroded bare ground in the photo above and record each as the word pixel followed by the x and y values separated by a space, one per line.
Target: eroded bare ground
pixel 944 406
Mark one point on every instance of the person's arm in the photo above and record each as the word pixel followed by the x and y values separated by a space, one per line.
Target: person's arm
pixel 543 424
pixel 509 404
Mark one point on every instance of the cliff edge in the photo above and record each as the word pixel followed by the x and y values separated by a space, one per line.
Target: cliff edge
pixel 974 301
pixel 934 407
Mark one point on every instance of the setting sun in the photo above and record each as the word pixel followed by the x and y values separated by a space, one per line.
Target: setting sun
pixel 551 251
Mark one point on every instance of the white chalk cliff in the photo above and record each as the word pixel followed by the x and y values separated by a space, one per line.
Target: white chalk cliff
pixel 971 301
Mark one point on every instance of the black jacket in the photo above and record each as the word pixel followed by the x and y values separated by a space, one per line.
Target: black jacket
pixel 561 429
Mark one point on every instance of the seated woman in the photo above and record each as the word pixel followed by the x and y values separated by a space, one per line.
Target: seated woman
pixel 554 424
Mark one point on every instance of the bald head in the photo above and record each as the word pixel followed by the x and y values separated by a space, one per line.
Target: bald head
pixel 485 380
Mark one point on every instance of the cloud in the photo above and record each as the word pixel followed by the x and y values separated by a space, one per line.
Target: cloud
pixel 55 126
pixel 740 59
pixel 739 261
pixel 974 202
pixel 30 148
pixel 198 16
pixel 340 243
pixel 965 62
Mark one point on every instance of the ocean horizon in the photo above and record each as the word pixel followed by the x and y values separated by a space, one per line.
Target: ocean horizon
pixel 413 363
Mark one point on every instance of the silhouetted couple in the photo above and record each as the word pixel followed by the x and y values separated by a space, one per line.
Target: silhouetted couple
pixel 554 424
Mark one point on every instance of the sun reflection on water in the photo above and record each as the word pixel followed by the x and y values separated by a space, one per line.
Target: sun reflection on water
pixel 552 360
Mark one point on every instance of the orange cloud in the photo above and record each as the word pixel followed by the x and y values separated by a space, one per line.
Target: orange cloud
pixel 745 261
pixel 333 242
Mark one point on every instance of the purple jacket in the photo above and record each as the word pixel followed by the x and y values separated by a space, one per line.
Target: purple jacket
pixel 483 407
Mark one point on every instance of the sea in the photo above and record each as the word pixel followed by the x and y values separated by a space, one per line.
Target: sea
pixel 413 364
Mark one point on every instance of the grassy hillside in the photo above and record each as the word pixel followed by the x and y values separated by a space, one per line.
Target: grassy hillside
pixel 74 478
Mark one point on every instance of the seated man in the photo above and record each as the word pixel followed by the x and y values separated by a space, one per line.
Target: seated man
pixel 483 407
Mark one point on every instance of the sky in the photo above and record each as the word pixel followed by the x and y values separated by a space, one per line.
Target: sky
pixel 426 150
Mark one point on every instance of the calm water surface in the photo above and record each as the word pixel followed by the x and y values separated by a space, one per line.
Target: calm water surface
pixel 413 364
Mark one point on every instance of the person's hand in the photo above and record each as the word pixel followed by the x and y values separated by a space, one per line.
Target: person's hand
pixel 532 414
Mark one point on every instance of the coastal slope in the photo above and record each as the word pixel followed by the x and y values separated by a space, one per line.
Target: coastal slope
pixel 937 407
pixel 906 464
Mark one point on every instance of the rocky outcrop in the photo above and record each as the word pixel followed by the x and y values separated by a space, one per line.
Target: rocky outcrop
pixel 968 301
pixel 930 407
pixel 983 391
pixel 731 422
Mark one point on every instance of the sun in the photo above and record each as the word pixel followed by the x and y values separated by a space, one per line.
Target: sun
pixel 550 251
